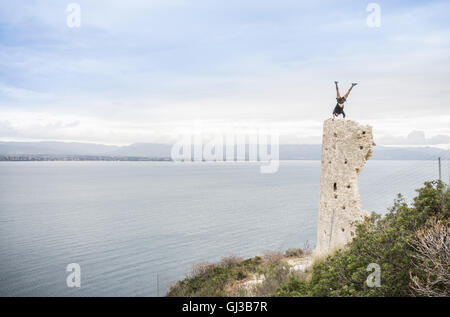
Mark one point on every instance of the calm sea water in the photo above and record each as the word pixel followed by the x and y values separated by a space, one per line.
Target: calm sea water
pixel 137 227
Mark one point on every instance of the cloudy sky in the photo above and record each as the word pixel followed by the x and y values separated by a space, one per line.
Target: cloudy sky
pixel 141 71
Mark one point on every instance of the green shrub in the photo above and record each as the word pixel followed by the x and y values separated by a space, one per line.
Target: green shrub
pixel 294 286
pixel 276 276
pixel 294 253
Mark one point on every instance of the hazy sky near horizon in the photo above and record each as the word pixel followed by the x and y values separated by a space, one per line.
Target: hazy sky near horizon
pixel 139 71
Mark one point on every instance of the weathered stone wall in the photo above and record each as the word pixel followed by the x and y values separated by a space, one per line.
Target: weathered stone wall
pixel 346 146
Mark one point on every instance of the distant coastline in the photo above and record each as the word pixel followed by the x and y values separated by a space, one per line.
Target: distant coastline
pixel 91 158
pixel 28 158
pixel 77 151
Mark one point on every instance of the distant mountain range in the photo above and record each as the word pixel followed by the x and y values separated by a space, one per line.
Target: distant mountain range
pixel 287 151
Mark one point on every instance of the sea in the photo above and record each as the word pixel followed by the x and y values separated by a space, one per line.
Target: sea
pixel 135 228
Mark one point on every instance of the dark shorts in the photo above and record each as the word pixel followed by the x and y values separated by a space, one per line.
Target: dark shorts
pixel 341 100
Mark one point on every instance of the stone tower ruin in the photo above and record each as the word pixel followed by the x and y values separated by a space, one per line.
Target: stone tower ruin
pixel 346 146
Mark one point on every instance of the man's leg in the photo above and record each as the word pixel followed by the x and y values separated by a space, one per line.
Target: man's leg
pixel 337 89
pixel 350 89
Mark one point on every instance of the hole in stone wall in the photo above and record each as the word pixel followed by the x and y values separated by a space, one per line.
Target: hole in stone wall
pixel 335 135
pixel 343 207
pixel 364 132
pixel 357 170
pixel 329 162
pixel 335 186
pixel 343 229
pixel 345 161
pixel 348 186
pixel 335 196
pixel 361 147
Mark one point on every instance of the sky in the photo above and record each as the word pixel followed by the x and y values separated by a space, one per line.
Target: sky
pixel 146 71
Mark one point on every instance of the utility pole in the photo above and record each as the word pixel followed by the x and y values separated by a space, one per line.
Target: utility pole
pixel 439 162
pixel 157 284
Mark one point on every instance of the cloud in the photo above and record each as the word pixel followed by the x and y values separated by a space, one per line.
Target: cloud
pixel 415 138
pixel 18 126
pixel 135 70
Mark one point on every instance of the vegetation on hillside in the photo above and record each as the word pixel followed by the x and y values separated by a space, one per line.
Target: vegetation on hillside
pixel 233 276
pixel 410 245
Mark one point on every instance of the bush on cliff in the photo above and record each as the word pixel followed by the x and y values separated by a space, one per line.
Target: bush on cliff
pixel 410 244
pixel 211 279
pixel 233 276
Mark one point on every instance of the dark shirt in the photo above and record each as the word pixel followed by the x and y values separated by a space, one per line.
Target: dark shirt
pixel 339 109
